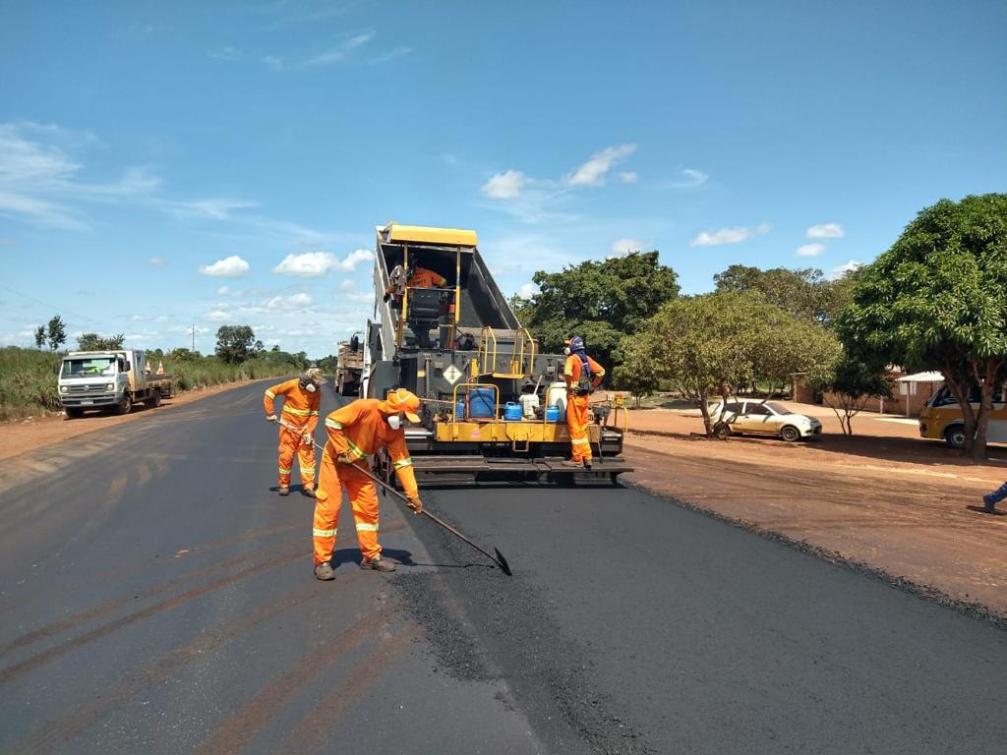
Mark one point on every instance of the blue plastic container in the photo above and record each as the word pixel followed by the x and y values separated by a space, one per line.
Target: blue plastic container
pixel 460 410
pixel 552 413
pixel 512 412
pixel 482 404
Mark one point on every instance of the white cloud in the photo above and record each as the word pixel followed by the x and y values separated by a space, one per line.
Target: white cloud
pixel 224 290
pixel 346 285
pixel 729 235
pixel 593 172
pixel 317 264
pixel 227 54
pixel 688 178
pixel 395 52
pixel 622 247
pixel 826 231
pixel 628 176
pixel 229 267
pixel 527 291
pixel 849 267
pixel 810 250
pixel 295 301
pixel 218 315
pixel 342 51
pixel 506 185
pixel 214 208
pixel 156 261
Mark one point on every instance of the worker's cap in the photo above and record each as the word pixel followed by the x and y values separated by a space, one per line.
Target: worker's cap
pixel 314 375
pixel 576 343
pixel 401 400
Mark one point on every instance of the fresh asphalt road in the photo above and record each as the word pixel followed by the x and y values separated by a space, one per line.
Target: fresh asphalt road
pixel 156 596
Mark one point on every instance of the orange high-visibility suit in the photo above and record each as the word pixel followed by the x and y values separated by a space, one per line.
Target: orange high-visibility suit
pixel 357 430
pixel 420 277
pixel 577 400
pixel 300 409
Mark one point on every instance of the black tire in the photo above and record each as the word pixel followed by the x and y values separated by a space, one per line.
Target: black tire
pixel 722 430
pixel 73 412
pixel 125 406
pixel 790 433
pixel 155 400
pixel 954 436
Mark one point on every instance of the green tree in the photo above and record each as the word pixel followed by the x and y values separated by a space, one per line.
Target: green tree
pixel 95 342
pixel 709 345
pixel 803 292
pixel 56 333
pixel 234 343
pixel 937 299
pixel 599 300
pixel 847 386
pixel 638 372
pixel 40 336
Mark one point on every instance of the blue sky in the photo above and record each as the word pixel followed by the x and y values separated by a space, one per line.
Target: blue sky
pixel 171 164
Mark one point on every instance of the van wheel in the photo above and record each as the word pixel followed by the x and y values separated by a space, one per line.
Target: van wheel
pixel 790 433
pixel 954 436
pixel 155 400
pixel 73 412
pixel 125 406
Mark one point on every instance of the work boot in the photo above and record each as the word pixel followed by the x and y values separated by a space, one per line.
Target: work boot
pixel 587 464
pixel 284 490
pixel 988 506
pixel 324 572
pixel 378 564
pixel 308 491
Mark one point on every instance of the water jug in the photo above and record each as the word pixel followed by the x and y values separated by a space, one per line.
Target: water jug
pixel 552 414
pixel 482 404
pixel 460 410
pixel 512 411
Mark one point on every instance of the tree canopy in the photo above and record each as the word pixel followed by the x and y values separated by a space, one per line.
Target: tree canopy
pixel 937 300
pixel 804 292
pixel 95 342
pixel 235 343
pixel 599 300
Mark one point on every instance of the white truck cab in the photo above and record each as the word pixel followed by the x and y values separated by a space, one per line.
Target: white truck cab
pixel 114 379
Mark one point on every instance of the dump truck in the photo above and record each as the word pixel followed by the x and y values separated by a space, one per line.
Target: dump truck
pixel 115 379
pixel 349 367
pixel 443 329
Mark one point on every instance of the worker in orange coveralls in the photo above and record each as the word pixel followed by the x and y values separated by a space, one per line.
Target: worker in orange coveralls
pixel 582 375
pixel 301 402
pixel 356 431
pixel 419 277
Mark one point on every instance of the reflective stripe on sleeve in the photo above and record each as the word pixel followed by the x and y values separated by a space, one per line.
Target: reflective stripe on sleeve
pixel 354 449
pixel 365 527
pixel 323 533
pixel 402 463
pixel 333 425
pixel 270 394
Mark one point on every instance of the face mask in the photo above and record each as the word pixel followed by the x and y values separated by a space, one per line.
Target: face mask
pixel 395 422
pixel 310 388
pixel 566 350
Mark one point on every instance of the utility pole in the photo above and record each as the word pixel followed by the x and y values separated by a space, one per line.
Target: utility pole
pixel 194 336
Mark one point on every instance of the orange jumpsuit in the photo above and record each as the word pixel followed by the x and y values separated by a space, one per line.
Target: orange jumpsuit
pixel 423 278
pixel 357 430
pixel 301 409
pixel 576 406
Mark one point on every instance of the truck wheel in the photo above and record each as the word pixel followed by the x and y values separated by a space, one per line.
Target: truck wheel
pixel 954 436
pixel 155 400
pixel 790 433
pixel 125 406
pixel 72 412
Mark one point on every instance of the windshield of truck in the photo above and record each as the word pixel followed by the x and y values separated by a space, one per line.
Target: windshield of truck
pixel 88 367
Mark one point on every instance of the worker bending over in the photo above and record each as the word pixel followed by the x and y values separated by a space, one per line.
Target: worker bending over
pixel 301 402
pixel 357 430
pixel 582 375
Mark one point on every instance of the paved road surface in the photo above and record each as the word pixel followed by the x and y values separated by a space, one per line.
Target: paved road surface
pixel 156 596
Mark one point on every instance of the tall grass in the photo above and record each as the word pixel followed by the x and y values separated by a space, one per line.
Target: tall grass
pixel 28 377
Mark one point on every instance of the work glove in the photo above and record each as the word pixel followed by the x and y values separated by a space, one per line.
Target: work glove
pixel 416 505
pixel 308 439
pixel 387 297
pixel 271 418
pixel 346 459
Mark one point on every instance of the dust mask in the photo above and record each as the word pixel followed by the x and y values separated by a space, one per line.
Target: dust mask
pixel 310 388
pixel 566 350
pixel 394 421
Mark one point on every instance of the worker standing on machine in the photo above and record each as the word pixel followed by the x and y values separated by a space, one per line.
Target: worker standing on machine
pixel 582 375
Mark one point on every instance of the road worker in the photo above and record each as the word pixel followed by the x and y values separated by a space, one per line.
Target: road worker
pixel 301 401
pixel 357 430
pixel 419 277
pixel 582 375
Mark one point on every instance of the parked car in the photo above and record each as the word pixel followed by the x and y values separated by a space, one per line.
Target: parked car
pixel 763 418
